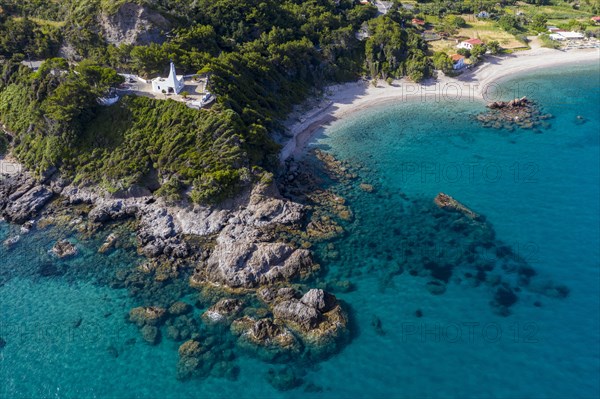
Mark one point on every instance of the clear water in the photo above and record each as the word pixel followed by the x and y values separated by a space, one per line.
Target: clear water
pixel 540 191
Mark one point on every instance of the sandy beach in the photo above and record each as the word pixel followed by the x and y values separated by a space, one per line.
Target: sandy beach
pixel 478 84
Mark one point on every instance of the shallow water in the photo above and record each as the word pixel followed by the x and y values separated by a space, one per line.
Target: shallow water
pixel 539 191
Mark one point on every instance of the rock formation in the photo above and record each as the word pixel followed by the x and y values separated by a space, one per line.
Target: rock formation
pixel 63 249
pixel 448 203
pixel 133 24
pixel 520 112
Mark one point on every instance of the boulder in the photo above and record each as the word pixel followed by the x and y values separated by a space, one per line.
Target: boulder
pixel 271 295
pixel 319 299
pixel 22 208
pixel 27 226
pixel 298 314
pixel 240 261
pixel 223 311
pixel 108 243
pixel 12 241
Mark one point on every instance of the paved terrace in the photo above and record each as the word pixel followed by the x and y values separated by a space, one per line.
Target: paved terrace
pixel 194 85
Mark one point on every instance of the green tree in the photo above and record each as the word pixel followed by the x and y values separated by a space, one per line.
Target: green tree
pixel 494 47
pixel 478 51
pixel 442 62
pixel 538 22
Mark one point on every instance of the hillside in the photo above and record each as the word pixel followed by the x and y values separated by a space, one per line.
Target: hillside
pixel 261 57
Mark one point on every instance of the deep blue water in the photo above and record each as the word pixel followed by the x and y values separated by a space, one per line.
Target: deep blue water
pixel 539 191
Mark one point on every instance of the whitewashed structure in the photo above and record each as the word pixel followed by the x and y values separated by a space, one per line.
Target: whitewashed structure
pixel 172 84
pixel 469 44
pixel 562 35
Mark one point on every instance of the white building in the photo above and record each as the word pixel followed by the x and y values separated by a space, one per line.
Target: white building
pixel 469 44
pixel 171 84
pixel 562 35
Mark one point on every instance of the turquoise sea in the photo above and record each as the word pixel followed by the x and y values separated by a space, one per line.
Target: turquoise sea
pixel 65 329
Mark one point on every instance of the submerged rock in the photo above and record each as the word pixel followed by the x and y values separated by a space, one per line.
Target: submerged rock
pixel 505 296
pixel 283 379
pixel 64 249
pixel 366 187
pixel 377 325
pixel 180 308
pixel 190 348
pixel 182 327
pixel 436 287
pixel 49 269
pixel 151 334
pixel 446 202
pixel 112 351
pixel 150 315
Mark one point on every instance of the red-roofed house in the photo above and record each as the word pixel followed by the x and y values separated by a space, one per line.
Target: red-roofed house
pixel 596 19
pixel 417 21
pixel 469 44
pixel 458 61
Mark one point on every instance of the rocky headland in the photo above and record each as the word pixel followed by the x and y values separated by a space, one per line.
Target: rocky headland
pixel 241 256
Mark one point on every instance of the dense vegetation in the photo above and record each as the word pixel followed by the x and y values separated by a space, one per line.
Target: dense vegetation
pixel 262 57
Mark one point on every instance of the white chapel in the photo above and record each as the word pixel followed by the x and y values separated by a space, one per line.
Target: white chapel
pixel 171 84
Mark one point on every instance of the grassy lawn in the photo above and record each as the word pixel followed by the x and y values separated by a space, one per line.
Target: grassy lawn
pixel 487 30
pixel 447 46
pixel 552 11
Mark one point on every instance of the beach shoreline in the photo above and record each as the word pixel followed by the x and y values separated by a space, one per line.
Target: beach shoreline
pixel 473 85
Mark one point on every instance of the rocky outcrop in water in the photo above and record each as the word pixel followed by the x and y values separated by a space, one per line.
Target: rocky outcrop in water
pixel 520 112
pixel 63 249
pixel 316 317
pixel 446 202
pixel 265 339
pixel 223 311
pixel 245 254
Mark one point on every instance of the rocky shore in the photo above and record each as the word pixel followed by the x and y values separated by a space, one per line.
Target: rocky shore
pixel 240 256
pixel 251 263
